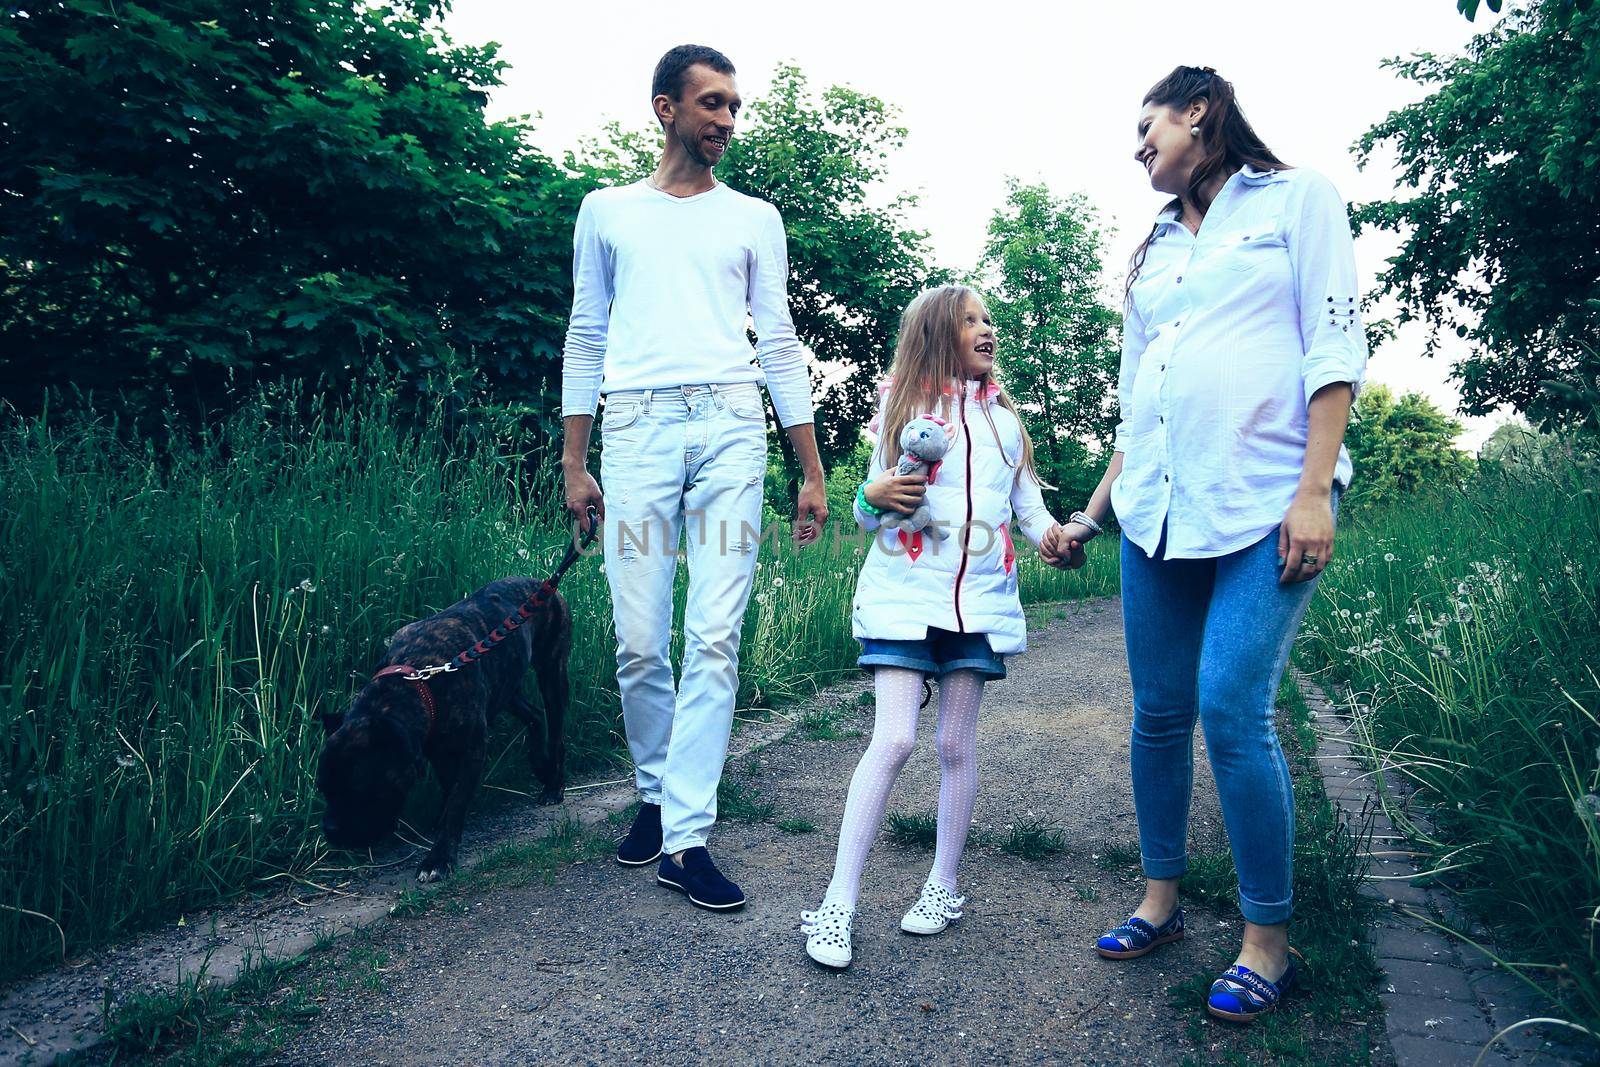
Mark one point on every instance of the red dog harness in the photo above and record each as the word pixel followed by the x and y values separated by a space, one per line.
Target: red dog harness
pixel 420 685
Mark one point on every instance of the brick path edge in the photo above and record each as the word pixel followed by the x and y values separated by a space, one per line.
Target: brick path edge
pixel 1445 997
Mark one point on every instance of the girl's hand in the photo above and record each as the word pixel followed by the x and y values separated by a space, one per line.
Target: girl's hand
pixel 1305 537
pixel 1062 546
pixel 897 492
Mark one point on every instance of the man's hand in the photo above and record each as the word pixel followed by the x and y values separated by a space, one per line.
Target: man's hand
pixel 810 511
pixel 1305 537
pixel 897 492
pixel 583 493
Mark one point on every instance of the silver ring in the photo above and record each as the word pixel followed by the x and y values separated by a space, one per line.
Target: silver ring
pixel 1308 560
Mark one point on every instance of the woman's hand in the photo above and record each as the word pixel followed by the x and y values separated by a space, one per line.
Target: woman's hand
pixel 897 492
pixel 1062 546
pixel 1305 537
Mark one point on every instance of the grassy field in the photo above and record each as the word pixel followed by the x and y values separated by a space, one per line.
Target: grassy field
pixel 1466 627
pixel 173 619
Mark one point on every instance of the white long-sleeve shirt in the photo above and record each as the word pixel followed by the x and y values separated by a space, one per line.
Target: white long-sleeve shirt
pixel 1228 334
pixel 663 287
pixel 966 583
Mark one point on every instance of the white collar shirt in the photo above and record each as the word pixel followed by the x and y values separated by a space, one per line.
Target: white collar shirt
pixel 1227 335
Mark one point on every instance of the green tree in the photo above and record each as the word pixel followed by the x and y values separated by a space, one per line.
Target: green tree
pixel 1564 8
pixel 1399 445
pixel 1058 337
pixel 854 260
pixel 197 192
pixel 1501 237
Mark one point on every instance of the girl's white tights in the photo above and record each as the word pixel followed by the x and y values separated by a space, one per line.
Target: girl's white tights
pixel 894 735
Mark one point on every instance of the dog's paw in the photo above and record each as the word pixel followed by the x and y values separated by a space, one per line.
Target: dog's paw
pixel 552 794
pixel 434 871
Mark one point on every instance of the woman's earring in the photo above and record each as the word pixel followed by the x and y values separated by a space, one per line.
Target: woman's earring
pixel 1194 131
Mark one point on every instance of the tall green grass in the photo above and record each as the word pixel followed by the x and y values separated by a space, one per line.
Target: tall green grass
pixel 173 618
pixel 1467 628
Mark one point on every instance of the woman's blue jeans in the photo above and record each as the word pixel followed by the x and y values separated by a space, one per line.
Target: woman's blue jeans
pixel 1209 638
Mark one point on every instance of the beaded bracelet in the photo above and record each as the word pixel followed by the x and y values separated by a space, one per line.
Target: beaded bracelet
pixel 863 504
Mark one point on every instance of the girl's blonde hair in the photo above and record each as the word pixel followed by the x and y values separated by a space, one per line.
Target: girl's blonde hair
pixel 927 360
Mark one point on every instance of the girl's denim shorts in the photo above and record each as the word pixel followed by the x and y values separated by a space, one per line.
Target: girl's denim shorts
pixel 939 653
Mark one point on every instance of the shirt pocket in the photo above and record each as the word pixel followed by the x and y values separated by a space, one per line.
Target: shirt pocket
pixel 1250 248
pixel 1149 287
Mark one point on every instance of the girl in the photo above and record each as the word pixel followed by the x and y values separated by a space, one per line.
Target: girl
pixel 1242 351
pixel 926 606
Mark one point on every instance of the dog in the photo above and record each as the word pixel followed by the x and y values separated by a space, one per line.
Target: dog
pixel 374 751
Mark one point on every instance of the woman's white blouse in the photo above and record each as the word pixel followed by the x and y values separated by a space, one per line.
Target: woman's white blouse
pixel 1228 334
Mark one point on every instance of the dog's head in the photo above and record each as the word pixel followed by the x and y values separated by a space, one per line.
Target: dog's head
pixel 369 763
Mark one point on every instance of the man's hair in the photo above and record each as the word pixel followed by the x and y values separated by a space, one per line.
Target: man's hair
pixel 668 80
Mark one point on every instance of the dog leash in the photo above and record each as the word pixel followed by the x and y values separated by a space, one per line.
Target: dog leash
pixel 418 676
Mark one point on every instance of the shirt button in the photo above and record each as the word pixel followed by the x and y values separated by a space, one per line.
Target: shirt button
pixel 1165 478
pixel 1177 324
pixel 1180 279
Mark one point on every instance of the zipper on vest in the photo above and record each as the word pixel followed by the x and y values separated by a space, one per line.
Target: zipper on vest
pixel 966 527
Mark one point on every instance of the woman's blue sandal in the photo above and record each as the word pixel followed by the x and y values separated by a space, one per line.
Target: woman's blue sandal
pixel 1241 995
pixel 1136 937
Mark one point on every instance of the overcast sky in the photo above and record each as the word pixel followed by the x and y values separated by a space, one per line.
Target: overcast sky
pixel 1043 91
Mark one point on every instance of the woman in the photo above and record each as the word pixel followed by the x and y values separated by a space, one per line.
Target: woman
pixel 1241 355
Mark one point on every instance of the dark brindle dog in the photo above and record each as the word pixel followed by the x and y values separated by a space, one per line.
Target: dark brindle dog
pixel 375 750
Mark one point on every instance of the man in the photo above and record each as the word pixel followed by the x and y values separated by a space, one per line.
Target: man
pixel 666 273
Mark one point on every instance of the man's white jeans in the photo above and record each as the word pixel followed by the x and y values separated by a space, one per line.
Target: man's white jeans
pixel 686 460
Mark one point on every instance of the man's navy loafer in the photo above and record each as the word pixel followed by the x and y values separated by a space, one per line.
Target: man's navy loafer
pixel 700 881
pixel 643 843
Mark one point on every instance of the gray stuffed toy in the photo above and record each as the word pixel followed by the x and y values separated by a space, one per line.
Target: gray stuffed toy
pixel 923 444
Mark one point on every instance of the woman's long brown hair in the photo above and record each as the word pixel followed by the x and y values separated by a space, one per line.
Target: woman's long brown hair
pixel 926 362
pixel 1227 139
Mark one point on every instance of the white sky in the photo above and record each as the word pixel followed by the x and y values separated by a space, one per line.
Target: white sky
pixel 1038 90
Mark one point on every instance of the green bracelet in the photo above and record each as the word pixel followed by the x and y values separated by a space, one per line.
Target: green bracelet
pixel 863 504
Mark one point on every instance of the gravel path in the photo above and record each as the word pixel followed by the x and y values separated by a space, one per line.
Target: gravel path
pixel 602 966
